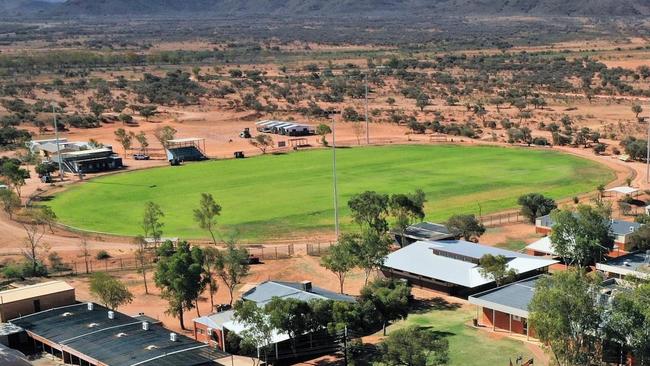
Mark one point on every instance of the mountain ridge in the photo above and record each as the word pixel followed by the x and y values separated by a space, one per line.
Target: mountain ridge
pixel 102 8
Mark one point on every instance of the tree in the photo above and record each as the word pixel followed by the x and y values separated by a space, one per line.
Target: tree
pixel 389 297
pixel 628 320
pixel 232 266
pixel 637 109
pixel 210 269
pixel 583 237
pixel 141 257
pixel 406 209
pixel 289 316
pixel 179 275
pixel 142 140
pixel 151 221
pixel 640 239
pixel 44 169
pixel 124 138
pixel 10 202
pixel 369 211
pixel 262 142
pixel 495 267
pixel 110 291
pixel 465 227
pixel 14 175
pixel 48 216
pixel 534 205
pixel 259 333
pixel 96 108
pixel 34 226
pixel 414 346
pixel 125 118
pixel 422 101
pixel 323 130
pixel 84 252
pixel 371 251
pixel 164 134
pixel 341 257
pixel 148 111
pixel 566 316
pixel 358 129
pixel 206 215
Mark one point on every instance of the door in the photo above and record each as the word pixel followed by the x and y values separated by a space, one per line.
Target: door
pixel 37 306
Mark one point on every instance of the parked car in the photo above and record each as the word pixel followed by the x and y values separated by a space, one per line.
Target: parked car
pixel 141 157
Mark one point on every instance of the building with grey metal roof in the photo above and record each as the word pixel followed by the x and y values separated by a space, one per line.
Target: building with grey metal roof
pixel 88 333
pixel 452 266
pixel 621 230
pixel 422 231
pixel 506 307
pixel 512 298
pixel 212 329
pixel 305 291
pixel 633 264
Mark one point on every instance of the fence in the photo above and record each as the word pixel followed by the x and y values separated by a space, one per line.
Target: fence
pixel 272 253
pixel 318 249
pixel 502 218
pixel 100 265
pixel 133 263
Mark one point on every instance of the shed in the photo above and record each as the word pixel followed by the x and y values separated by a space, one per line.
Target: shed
pixel 30 299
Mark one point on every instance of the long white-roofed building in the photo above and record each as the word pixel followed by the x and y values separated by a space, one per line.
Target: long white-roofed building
pixel 452 266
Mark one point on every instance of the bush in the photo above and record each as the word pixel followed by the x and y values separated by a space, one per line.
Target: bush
pixel 102 255
pixel 540 141
pixel 417 127
pixel 12 271
pixel 599 148
pixel 24 270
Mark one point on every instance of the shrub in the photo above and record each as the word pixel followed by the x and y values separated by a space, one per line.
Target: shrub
pixel 102 255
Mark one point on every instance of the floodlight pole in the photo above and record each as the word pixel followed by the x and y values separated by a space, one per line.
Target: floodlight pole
pixel 336 195
pixel 58 148
pixel 367 125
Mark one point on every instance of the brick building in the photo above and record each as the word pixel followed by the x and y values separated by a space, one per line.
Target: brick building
pixel 506 308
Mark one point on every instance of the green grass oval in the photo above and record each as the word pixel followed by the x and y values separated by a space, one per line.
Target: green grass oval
pixel 289 195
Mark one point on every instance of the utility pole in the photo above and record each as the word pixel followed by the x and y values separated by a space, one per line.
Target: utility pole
pixel 647 157
pixel 58 147
pixel 336 195
pixel 367 125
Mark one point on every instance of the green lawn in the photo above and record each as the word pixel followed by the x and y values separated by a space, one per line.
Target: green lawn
pixel 467 345
pixel 281 195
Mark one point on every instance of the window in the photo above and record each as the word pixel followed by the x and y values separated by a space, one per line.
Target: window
pixel 516 318
pixel 201 331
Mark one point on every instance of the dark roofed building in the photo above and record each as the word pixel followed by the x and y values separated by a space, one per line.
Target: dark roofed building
pixel 423 231
pixel 633 264
pixel 91 334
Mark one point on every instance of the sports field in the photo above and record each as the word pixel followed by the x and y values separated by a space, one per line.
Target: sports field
pixel 291 195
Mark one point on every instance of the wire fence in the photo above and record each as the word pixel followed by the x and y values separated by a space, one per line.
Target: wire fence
pixel 101 265
pixel 92 265
pixel 318 249
pixel 502 219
